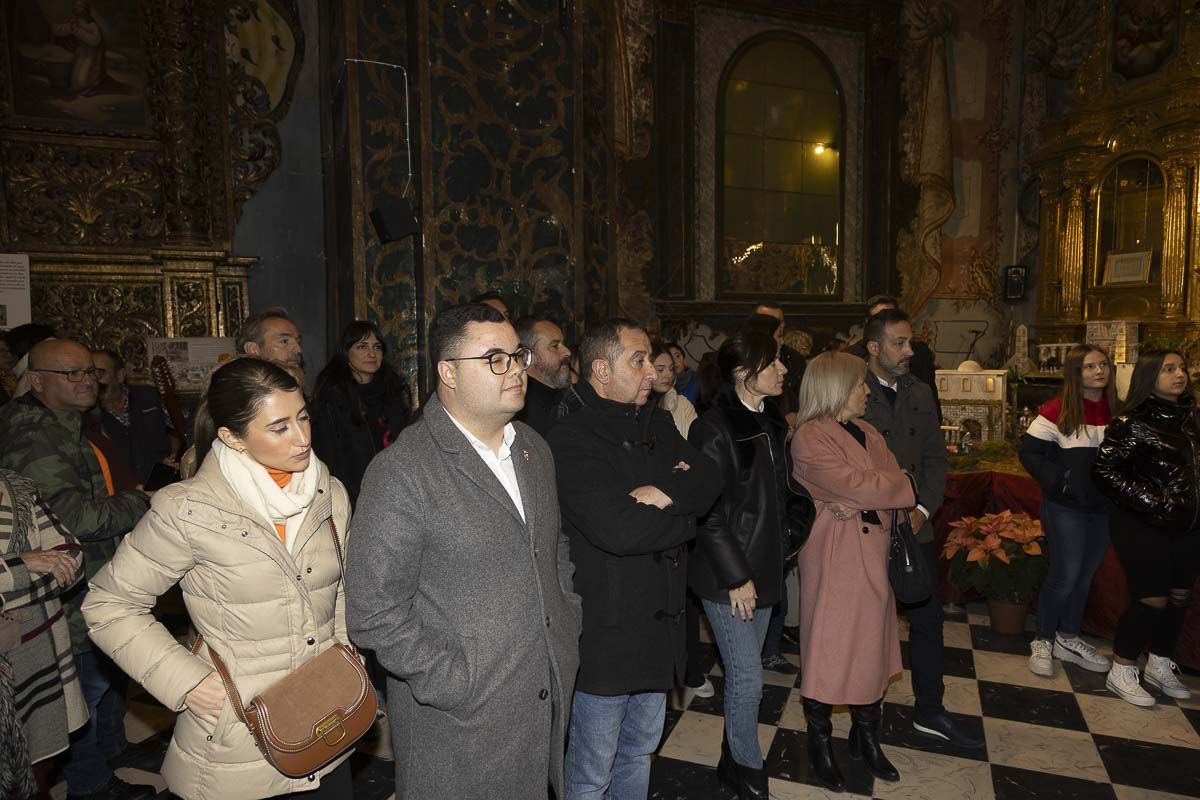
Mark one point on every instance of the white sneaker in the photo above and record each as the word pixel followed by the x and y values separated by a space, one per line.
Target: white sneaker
pixel 1163 673
pixel 705 689
pixel 1077 651
pixel 1040 662
pixel 1123 682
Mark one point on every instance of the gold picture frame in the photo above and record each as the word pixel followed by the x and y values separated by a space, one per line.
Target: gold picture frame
pixel 1127 268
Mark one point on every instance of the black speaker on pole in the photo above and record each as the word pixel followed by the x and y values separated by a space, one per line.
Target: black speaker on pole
pixel 394 219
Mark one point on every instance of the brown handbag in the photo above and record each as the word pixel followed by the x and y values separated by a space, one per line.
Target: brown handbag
pixel 313 715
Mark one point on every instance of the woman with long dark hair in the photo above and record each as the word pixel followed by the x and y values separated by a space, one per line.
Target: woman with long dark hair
pixel 253 541
pixel 738 568
pixel 360 404
pixel 1058 451
pixel 1147 465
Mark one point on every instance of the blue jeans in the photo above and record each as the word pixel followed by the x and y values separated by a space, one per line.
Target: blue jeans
pixel 1076 542
pixel 611 741
pixel 85 765
pixel 740 643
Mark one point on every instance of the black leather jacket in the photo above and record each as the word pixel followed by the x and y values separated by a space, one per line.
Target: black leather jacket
pixel 745 535
pixel 1147 463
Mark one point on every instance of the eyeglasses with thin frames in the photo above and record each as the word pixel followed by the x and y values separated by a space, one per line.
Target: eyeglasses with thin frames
pixel 73 375
pixel 1096 366
pixel 501 363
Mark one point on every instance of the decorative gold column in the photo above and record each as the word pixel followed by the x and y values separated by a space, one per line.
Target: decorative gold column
pixel 1193 287
pixel 1070 265
pixel 1047 258
pixel 1175 241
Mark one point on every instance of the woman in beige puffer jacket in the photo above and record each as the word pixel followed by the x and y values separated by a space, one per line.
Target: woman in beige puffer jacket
pixel 260 578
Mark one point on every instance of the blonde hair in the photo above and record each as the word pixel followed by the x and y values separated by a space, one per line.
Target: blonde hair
pixel 828 380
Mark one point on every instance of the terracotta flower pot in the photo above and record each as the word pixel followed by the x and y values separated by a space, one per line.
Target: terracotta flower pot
pixel 1008 618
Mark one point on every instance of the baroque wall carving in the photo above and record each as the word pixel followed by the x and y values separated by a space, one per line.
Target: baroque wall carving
pixel 118 170
pixel 79 196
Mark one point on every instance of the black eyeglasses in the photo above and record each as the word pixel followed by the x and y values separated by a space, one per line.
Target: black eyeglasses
pixel 73 375
pixel 501 363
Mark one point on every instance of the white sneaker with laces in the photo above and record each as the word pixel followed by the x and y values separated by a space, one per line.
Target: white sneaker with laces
pixel 1077 651
pixel 1040 662
pixel 1123 682
pixel 705 689
pixel 1163 673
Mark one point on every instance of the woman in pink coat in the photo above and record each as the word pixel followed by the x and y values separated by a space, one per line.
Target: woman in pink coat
pixel 849 640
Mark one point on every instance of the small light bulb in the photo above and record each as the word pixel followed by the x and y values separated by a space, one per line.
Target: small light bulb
pixel 820 148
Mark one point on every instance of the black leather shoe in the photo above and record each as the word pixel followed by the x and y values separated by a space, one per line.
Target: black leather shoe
pixel 117 789
pixel 942 726
pixel 820 745
pixel 864 741
pixel 778 663
pixel 752 783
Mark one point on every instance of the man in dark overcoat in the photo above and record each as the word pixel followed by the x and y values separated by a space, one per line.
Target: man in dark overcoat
pixel 631 488
pixel 904 410
pixel 459 578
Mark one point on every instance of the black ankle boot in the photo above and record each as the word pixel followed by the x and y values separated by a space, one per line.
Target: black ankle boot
pixel 864 740
pixel 727 770
pixel 752 783
pixel 820 745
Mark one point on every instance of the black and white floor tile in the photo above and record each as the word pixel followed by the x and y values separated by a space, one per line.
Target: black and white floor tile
pixel 1060 737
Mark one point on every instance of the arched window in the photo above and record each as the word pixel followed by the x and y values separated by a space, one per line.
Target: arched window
pixel 779 195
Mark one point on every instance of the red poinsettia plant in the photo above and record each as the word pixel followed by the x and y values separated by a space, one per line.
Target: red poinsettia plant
pixel 999 555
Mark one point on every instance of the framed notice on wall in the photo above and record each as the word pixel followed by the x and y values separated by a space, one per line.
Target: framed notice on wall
pixel 14 290
pixel 1122 268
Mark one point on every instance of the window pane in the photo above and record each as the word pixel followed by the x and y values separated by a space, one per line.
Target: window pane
pixel 743 108
pixel 783 164
pixel 822 118
pixel 783 112
pixel 821 171
pixel 820 219
pixel 743 161
pixel 784 218
pixel 743 215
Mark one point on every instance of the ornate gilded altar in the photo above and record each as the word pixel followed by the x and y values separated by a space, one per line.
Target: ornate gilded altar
pixel 131 134
pixel 1120 188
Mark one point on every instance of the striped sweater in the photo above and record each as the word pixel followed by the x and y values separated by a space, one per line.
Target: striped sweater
pixel 1063 464
pixel 48 701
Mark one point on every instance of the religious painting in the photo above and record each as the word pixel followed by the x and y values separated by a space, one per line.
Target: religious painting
pixel 1145 35
pixel 264 41
pixel 78 62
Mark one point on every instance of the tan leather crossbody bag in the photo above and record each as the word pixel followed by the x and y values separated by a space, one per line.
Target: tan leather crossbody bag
pixel 313 715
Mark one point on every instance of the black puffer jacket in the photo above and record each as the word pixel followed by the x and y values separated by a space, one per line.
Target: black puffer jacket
pixel 1147 463
pixel 745 535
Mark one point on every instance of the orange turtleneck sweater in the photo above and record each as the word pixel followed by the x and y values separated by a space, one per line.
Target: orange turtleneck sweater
pixel 282 479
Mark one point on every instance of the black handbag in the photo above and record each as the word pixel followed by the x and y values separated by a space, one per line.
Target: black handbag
pixel 799 513
pixel 907 569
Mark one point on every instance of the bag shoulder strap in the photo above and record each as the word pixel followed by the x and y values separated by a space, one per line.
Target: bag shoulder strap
pixel 235 699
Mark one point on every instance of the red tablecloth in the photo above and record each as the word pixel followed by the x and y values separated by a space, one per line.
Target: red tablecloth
pixel 976 493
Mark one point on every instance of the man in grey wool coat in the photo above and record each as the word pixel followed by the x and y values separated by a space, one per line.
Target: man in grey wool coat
pixel 459 578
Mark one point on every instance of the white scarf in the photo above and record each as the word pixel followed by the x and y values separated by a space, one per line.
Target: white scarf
pixel 258 489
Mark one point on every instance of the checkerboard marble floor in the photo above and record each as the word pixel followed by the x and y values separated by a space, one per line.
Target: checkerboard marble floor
pixel 1061 737
pixel 1064 737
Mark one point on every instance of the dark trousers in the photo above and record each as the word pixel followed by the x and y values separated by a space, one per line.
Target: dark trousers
pixel 779 614
pixel 925 644
pixel 85 764
pixel 694 677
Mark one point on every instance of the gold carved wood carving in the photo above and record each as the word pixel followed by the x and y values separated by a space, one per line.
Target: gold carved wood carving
pixel 120 313
pixel 65 194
